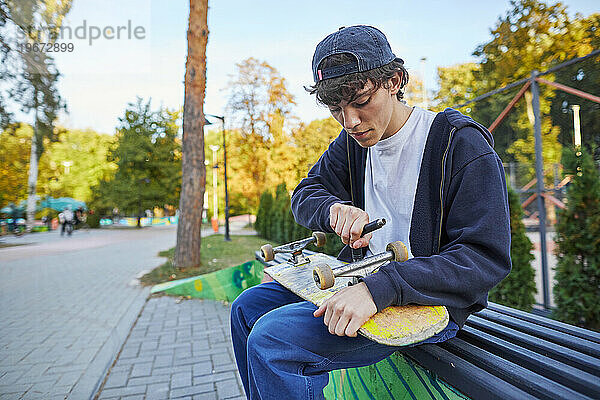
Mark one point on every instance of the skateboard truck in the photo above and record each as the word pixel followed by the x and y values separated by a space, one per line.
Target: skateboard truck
pixel 294 248
pixel 324 276
pixel 357 253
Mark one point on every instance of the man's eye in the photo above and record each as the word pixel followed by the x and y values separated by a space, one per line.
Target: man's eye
pixel 334 110
pixel 364 103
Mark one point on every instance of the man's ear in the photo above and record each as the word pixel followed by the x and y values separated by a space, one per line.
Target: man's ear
pixel 395 83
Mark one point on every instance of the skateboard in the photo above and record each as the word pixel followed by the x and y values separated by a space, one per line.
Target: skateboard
pixel 318 276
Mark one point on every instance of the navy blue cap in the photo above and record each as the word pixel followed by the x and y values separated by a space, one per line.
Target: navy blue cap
pixel 368 44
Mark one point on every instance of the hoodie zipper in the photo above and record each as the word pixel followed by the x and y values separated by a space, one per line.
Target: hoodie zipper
pixel 349 167
pixel 441 190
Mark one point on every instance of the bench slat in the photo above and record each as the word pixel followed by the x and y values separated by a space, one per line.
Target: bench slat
pixel 575 343
pixel 471 380
pixel 541 346
pixel 566 375
pixel 520 377
pixel 547 322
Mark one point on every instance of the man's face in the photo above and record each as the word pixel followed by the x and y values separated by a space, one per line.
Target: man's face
pixel 367 116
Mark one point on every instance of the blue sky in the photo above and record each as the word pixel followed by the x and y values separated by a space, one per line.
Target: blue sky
pixel 100 79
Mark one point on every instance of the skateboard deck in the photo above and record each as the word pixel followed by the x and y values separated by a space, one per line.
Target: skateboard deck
pixel 393 326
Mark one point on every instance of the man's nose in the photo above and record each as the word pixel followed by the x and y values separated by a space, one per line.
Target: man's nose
pixel 351 119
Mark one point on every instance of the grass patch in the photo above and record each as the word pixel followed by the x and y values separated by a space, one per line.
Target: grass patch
pixel 216 254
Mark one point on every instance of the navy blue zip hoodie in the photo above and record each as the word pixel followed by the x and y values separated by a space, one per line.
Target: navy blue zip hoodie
pixel 460 229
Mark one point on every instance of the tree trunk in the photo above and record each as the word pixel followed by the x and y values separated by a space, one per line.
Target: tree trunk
pixel 33 172
pixel 32 183
pixel 187 252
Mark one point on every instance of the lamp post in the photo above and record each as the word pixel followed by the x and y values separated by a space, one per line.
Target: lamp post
pixel 576 126
pixel 423 89
pixel 140 210
pixel 215 218
pixel 67 164
pixel 222 118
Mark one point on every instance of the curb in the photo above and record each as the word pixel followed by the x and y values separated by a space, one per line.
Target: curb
pixel 88 385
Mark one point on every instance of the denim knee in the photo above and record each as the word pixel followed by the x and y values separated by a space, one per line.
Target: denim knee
pixel 260 336
pixel 239 304
pixel 241 299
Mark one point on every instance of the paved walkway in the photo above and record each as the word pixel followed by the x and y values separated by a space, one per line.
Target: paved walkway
pixel 176 350
pixel 68 305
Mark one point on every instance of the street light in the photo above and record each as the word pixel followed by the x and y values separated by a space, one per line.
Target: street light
pixel 576 126
pixel 423 89
pixel 215 218
pixel 67 165
pixel 227 238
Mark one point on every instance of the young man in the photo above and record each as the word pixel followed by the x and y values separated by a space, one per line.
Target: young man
pixel 437 181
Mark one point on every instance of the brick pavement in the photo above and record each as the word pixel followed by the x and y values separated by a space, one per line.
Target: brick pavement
pixel 176 350
pixel 65 313
pixel 69 305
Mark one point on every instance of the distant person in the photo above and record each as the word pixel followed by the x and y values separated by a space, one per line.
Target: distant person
pixel 79 217
pixel 13 217
pixel 66 218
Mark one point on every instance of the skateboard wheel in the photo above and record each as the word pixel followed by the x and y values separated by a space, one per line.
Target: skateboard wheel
pixel 320 239
pixel 267 252
pixel 323 276
pixel 399 249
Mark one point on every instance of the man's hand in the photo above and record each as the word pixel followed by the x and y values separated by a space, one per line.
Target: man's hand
pixel 348 222
pixel 347 310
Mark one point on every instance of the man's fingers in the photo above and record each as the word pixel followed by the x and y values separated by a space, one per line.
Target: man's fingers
pixel 362 242
pixel 332 323
pixel 319 311
pixel 333 215
pixel 340 326
pixel 328 312
pixel 348 222
pixel 344 233
pixel 355 230
pixel 353 327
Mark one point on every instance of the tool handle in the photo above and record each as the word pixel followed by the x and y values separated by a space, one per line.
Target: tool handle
pixel 368 228
pixel 372 226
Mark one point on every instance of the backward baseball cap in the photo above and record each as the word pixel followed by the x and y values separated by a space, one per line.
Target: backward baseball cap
pixel 366 43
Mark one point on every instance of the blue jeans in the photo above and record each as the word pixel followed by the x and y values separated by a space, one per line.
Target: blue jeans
pixel 283 352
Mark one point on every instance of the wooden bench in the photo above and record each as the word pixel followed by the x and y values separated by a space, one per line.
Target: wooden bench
pixel 501 353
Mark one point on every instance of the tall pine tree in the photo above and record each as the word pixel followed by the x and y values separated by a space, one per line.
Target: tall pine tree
pixel 517 289
pixel 578 248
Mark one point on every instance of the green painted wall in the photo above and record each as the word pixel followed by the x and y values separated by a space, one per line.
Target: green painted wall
pixel 224 285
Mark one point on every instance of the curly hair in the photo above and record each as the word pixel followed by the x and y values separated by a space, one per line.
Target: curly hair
pixel 331 92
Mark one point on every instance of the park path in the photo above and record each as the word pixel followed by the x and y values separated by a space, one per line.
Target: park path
pixel 178 349
pixel 68 306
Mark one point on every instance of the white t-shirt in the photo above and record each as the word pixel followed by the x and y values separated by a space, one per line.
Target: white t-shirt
pixel 68 214
pixel 391 177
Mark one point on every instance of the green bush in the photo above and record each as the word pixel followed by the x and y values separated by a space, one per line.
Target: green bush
pixel 518 288
pixel 578 248
pixel 93 220
pixel 281 207
pixel 263 215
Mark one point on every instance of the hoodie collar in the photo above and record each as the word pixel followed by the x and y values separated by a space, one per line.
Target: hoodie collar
pixel 459 120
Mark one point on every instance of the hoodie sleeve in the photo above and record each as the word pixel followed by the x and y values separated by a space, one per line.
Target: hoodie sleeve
pixel 475 255
pixel 327 183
